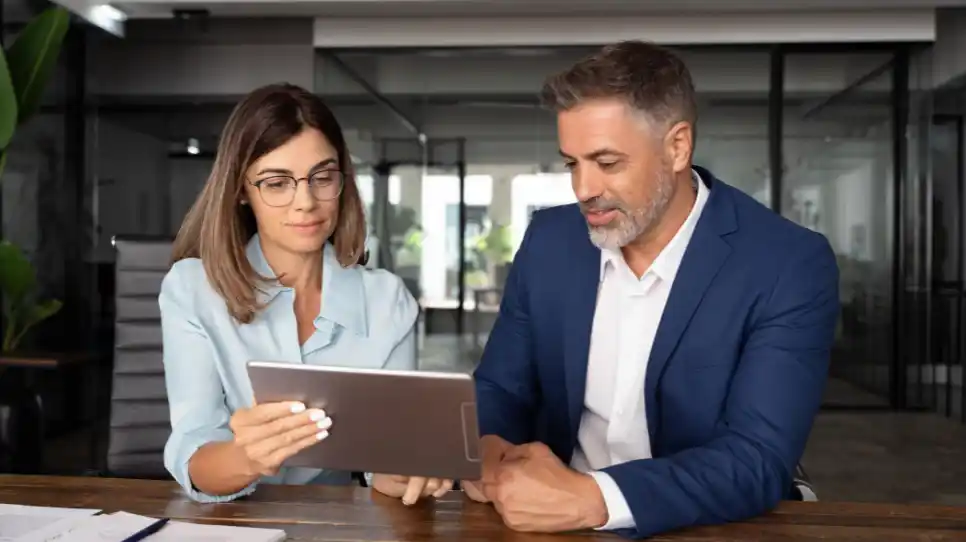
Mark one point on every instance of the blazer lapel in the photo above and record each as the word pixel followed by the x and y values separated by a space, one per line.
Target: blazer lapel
pixel 706 253
pixel 578 321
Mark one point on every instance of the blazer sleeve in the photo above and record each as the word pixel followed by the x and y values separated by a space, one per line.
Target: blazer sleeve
pixel 506 385
pixel 775 394
pixel 196 396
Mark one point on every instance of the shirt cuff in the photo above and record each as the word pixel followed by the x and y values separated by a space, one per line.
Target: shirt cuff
pixel 178 454
pixel 618 512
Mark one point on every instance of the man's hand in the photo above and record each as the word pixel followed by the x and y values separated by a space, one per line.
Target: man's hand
pixel 493 449
pixel 534 491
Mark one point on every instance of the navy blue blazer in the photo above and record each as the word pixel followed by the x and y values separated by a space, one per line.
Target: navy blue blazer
pixel 736 372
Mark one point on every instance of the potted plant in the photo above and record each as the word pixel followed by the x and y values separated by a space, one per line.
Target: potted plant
pixel 497 250
pixel 25 67
pixel 21 308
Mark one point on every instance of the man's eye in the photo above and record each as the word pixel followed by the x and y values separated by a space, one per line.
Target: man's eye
pixel 606 165
pixel 570 165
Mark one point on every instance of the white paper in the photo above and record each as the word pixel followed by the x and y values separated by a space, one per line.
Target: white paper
pixel 118 526
pixel 37 523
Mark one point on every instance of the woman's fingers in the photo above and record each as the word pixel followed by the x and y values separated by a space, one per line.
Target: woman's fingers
pixel 413 490
pixel 273 451
pixel 420 486
pixel 444 487
pixel 432 484
pixel 252 434
pixel 279 456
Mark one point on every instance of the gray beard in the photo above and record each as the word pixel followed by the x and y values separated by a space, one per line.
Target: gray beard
pixel 634 223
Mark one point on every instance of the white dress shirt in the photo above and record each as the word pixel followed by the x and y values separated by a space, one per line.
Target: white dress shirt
pixel 613 426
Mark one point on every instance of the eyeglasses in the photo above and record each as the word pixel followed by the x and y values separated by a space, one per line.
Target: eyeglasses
pixel 279 190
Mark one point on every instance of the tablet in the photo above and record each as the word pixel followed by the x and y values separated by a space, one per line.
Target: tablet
pixel 414 423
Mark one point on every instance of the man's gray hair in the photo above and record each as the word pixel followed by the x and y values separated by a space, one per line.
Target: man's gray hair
pixel 650 78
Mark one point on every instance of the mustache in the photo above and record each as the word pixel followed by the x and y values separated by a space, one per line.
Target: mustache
pixel 598 204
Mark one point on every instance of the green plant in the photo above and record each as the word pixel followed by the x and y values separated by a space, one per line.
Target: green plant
pixel 495 244
pixel 21 309
pixel 25 68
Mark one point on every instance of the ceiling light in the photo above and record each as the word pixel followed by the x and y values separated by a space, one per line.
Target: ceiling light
pixel 106 17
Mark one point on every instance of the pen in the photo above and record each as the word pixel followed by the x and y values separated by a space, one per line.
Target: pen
pixel 147 531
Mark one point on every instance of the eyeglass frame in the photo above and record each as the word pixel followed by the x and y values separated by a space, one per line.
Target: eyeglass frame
pixel 307 179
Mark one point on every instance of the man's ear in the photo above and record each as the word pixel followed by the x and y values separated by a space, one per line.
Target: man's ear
pixel 679 145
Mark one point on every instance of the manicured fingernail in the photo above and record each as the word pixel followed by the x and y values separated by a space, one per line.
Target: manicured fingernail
pixel 297 407
pixel 321 435
pixel 324 423
pixel 317 415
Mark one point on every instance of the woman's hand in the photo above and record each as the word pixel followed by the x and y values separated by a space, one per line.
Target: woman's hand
pixel 269 434
pixel 410 488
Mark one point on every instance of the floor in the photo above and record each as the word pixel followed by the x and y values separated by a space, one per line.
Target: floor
pixel 881 456
pixel 866 453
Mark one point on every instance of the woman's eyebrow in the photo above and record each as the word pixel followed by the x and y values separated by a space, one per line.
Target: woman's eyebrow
pixel 324 163
pixel 275 171
pixel 282 171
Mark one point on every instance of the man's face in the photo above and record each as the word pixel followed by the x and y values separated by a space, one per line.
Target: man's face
pixel 621 173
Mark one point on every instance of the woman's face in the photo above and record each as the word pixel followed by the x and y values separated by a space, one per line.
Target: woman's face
pixel 294 192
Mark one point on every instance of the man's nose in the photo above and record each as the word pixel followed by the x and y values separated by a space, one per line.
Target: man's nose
pixel 586 185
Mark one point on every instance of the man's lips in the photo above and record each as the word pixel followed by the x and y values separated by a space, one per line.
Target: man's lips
pixel 600 218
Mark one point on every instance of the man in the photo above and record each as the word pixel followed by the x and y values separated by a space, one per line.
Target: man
pixel 663 371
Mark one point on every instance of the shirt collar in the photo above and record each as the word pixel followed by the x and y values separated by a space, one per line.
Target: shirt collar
pixel 668 262
pixel 343 292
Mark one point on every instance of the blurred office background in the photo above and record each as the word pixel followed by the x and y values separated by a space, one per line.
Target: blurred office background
pixel 844 116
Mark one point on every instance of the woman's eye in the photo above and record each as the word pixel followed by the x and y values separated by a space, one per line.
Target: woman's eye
pixel 274 185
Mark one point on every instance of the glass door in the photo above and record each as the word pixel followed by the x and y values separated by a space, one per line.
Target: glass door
pixel 421 240
pixel 838 181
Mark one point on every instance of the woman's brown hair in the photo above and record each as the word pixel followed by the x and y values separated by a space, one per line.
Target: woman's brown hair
pixel 218 227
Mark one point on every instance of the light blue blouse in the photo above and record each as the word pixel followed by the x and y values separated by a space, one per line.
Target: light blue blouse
pixel 367 320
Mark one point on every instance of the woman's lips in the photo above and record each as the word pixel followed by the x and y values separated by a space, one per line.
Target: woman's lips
pixel 308 227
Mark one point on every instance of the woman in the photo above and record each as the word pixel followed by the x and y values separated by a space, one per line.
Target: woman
pixel 266 267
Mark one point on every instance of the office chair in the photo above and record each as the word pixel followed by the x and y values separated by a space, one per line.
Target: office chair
pixel 139 419
pixel 140 422
pixel 803 485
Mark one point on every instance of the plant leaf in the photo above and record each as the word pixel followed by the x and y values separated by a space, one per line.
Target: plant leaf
pixel 17 277
pixel 42 311
pixel 8 105
pixel 33 56
pixel 35 315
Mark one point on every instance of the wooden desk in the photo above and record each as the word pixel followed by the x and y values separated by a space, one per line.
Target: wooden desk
pixel 344 514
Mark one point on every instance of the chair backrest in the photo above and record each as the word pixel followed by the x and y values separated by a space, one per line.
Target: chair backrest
pixel 139 420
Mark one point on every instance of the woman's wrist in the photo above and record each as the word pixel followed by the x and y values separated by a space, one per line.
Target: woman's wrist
pixel 221 468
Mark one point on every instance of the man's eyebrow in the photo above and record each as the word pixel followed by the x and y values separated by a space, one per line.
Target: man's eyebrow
pixel 593 155
pixel 605 152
